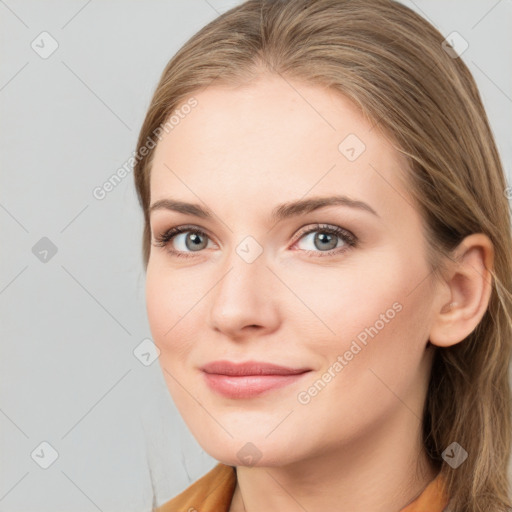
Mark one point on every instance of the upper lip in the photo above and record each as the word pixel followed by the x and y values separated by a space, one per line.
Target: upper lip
pixel 250 368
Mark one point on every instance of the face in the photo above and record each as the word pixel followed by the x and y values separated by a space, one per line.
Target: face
pixel 340 293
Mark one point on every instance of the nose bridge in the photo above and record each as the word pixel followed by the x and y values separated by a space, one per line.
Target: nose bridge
pixel 242 294
pixel 244 276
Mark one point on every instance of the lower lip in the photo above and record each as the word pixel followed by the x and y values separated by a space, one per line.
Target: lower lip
pixel 248 386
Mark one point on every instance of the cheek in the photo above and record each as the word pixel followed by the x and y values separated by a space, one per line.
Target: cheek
pixel 392 334
pixel 168 306
pixel 348 300
pixel 158 304
pixel 382 306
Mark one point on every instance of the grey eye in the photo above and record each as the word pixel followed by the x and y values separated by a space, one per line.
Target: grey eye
pixel 193 241
pixel 320 240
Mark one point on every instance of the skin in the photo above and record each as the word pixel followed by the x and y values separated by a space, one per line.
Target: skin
pixel 356 446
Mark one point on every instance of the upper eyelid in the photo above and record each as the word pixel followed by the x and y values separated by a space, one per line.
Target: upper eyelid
pixel 312 226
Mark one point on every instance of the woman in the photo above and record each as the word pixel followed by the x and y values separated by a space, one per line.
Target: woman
pixel 328 252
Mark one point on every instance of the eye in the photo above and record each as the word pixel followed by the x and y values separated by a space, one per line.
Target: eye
pixel 184 239
pixel 327 240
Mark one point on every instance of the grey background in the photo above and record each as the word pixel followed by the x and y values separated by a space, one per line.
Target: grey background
pixel 70 324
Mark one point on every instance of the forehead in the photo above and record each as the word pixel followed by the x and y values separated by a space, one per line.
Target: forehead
pixel 275 140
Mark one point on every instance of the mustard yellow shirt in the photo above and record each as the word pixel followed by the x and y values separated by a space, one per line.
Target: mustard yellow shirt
pixel 213 493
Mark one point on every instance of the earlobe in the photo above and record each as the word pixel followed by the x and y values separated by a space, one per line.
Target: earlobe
pixel 469 283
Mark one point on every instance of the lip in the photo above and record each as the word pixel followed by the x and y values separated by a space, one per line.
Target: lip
pixel 250 368
pixel 249 379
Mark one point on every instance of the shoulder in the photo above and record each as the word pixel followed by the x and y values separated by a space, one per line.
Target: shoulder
pixel 211 493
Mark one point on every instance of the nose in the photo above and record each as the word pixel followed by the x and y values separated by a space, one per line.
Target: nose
pixel 244 302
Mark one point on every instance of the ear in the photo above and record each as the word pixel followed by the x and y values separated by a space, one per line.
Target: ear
pixel 462 302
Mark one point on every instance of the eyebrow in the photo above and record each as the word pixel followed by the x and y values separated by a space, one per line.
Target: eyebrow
pixel 279 213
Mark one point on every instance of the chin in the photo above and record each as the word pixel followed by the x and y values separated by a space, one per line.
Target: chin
pixel 251 453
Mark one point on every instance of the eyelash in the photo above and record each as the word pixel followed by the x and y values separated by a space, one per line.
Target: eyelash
pixel 351 241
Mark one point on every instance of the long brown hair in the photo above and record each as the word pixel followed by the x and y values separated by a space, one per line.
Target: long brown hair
pixel 392 64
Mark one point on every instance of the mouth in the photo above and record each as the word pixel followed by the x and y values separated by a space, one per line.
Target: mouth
pixel 249 379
